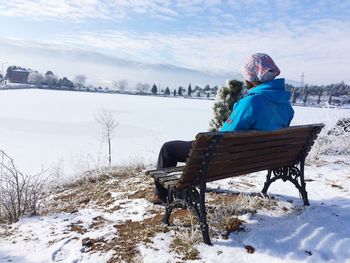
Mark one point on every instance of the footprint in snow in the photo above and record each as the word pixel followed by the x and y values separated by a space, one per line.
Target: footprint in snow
pixel 65 253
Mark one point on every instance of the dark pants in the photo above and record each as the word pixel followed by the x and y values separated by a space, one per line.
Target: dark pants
pixel 171 153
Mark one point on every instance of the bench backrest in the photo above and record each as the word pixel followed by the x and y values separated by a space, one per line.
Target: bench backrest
pixel 236 153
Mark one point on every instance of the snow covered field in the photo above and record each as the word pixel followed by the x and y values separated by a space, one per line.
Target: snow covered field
pixel 57 130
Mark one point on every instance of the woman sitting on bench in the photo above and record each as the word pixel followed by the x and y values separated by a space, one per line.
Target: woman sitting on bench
pixel 266 107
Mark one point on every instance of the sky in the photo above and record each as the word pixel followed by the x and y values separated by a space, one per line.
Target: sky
pixel 134 39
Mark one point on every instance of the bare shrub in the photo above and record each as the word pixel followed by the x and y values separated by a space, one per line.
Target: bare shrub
pixel 108 124
pixel 333 140
pixel 19 193
pixel 121 85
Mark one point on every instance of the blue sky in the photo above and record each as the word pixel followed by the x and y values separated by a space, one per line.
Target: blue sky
pixel 207 35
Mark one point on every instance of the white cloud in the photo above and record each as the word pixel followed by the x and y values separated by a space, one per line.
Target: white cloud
pixel 320 51
pixel 84 9
pixel 215 38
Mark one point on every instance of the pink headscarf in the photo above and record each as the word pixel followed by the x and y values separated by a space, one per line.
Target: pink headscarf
pixel 260 67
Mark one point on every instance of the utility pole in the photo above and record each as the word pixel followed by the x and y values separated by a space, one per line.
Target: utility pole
pixel 305 91
pixel 302 80
pixel 2 70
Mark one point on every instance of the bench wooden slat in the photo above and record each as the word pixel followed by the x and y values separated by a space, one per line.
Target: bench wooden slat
pixel 232 147
pixel 166 175
pixel 168 178
pixel 157 174
pixel 236 166
pixel 260 164
pixel 298 136
pixel 219 174
pixel 165 171
pixel 234 154
pixel 218 162
pixel 249 152
pixel 207 136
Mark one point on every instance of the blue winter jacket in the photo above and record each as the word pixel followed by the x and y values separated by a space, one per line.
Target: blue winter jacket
pixel 266 107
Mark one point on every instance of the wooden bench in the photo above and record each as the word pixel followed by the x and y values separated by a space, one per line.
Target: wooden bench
pixel 220 155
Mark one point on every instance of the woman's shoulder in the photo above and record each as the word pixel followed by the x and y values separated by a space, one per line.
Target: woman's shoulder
pixel 252 102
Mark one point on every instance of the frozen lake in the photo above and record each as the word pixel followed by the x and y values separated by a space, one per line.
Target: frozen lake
pixel 57 130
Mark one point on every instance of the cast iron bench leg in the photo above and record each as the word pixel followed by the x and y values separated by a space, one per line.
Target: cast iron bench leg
pixel 292 174
pixel 203 215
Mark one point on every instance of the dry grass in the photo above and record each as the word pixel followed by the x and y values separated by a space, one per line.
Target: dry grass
pixel 184 243
pixel 224 211
pixel 95 190
pixel 77 227
pixel 5 231
pixel 130 234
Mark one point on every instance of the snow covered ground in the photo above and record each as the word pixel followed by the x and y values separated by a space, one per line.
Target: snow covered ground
pixel 57 130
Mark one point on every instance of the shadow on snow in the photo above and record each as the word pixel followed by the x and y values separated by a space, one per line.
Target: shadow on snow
pixel 317 233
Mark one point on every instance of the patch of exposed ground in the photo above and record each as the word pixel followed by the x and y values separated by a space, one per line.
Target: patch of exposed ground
pixel 77 227
pixel 95 190
pixel 132 233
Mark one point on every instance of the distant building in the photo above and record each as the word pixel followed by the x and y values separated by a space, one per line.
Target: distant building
pixel 18 76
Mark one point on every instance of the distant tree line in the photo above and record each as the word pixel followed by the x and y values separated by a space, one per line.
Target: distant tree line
pixel 336 93
pixel 21 75
pixel 331 92
pixel 16 74
pixel 198 91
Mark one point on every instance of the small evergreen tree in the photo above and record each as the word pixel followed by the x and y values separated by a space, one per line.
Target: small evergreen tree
pixel 225 99
pixel 294 95
pixel 167 91
pixel 65 83
pixel 189 90
pixel 154 89
pixel 319 96
pixel 174 92
pixel 179 92
pixel 306 93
